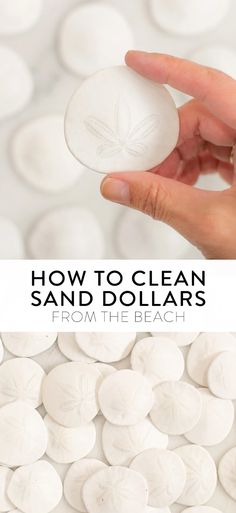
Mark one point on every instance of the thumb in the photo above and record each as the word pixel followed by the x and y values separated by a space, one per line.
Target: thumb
pixel 190 211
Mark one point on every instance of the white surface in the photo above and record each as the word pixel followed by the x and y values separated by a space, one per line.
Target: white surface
pixel 66 445
pixel 35 488
pixel 16 16
pixel 191 17
pixel 158 359
pixel 21 379
pixel 16 83
pixel 177 407
pixel 93 37
pixel 115 488
pixel 54 86
pixel 216 56
pixel 23 436
pixel 165 474
pixel 122 443
pixel 67 233
pixel 41 157
pixel 201 475
pixel 10 235
pixel 130 124
pixel 28 344
pixel 106 347
pixel 70 393
pixel 75 479
pixel 125 397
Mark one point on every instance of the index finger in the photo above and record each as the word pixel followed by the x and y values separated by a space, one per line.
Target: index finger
pixel 210 86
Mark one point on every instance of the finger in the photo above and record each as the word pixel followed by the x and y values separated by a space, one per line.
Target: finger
pixel 221 153
pixel 214 88
pixel 181 206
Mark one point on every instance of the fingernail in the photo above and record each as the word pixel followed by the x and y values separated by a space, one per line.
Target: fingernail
pixel 115 190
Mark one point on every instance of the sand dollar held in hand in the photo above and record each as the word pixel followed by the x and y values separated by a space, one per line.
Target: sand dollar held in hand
pixel 188 17
pixel 94 36
pixel 23 435
pixel 120 121
pixel 41 157
pixel 35 488
pixel 16 83
pixel 13 245
pixel 67 233
pixel 17 16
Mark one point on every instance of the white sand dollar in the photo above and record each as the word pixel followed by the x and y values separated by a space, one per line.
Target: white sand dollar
pixel 122 443
pixel 149 509
pixel 115 489
pixel 68 346
pixel 202 509
pixel 158 359
pixel 75 479
pixel 67 233
pixel 216 56
pixel 21 379
pixel 106 347
pixel 90 38
pixel 70 393
pixel 215 422
pixel 165 474
pixel 28 344
pixel 181 339
pixel 66 445
pixel 139 236
pixel 130 123
pixel 41 157
pixel 23 435
pixel 201 475
pixel 5 477
pixel 188 18
pixel 16 83
pixel 17 16
pixel 125 397
pixel 203 351
pixel 177 407
pixel 227 474
pixel 222 375
pixel 13 247
pixel 35 488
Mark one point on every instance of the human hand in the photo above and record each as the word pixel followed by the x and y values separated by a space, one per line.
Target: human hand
pixel 207 136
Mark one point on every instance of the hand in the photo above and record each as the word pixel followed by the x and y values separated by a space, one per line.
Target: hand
pixel 207 135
